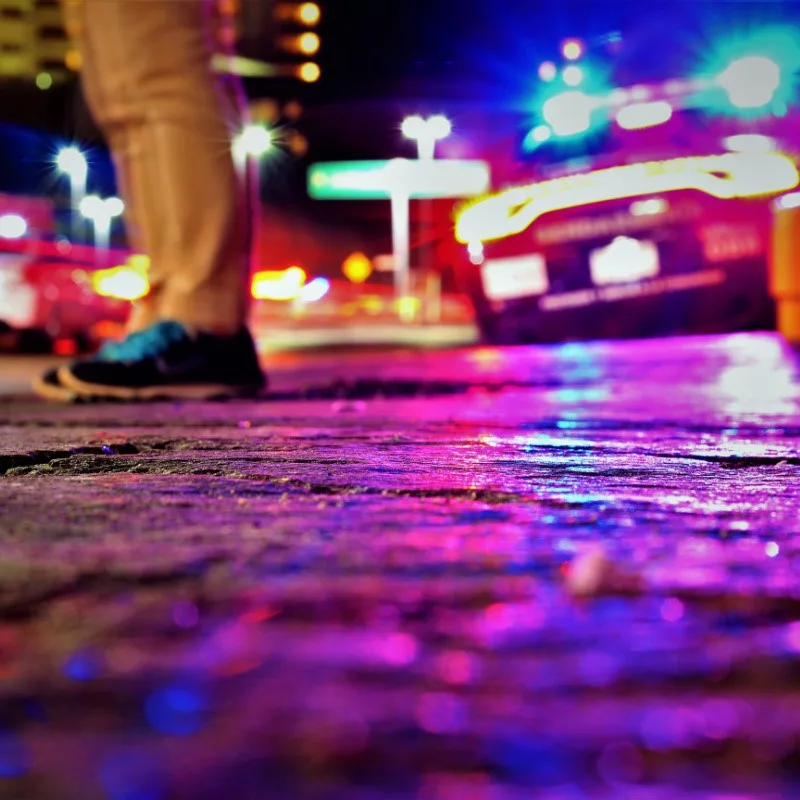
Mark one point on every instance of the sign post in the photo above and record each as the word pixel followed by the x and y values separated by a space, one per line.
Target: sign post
pixel 398 180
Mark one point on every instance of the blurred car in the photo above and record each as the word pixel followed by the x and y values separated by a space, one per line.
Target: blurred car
pixel 47 304
pixel 638 210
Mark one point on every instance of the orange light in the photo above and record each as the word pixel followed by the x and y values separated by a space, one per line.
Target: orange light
pixel 73 60
pixel 357 267
pixel 309 13
pixel 572 50
pixel 308 43
pixel 309 72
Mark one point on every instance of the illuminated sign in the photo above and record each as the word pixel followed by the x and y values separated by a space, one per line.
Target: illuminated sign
pixel 725 176
pixel 374 180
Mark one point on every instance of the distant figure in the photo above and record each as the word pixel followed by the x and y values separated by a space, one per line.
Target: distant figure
pixel 169 121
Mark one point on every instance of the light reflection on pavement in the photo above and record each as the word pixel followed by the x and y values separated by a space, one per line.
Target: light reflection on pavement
pixel 360 587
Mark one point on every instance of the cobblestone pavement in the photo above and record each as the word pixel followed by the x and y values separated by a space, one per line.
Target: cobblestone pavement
pixel 479 575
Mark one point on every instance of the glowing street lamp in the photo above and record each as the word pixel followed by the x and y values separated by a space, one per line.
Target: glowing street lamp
pixel 426 132
pixel 100 213
pixel 72 163
pixel 255 141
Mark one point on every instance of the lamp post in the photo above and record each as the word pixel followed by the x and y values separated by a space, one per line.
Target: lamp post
pixel 100 212
pixel 426 132
pixel 72 162
pixel 253 144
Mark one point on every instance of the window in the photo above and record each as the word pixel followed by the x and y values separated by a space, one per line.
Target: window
pixel 51 65
pixel 51 32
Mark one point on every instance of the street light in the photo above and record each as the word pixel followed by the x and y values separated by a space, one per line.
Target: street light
pixel 72 162
pixel 426 132
pixel 254 140
pixel 101 213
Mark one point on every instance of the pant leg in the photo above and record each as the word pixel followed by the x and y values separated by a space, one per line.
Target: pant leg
pixel 145 311
pixel 169 121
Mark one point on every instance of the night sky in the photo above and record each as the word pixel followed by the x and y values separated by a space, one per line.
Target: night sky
pixel 377 46
pixel 383 59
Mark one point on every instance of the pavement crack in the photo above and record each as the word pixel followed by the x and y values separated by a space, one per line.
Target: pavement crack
pixel 12 464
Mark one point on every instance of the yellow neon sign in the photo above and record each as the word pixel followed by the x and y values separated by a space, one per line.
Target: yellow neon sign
pixel 725 176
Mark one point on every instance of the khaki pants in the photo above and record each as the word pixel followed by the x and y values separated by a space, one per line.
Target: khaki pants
pixel 169 121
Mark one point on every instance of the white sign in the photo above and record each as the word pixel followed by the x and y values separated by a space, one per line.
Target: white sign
pixel 519 276
pixel 625 260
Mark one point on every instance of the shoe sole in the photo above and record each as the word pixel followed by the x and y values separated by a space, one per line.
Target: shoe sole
pixel 54 394
pixel 195 391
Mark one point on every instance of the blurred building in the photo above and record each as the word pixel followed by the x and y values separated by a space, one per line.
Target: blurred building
pixel 273 38
pixel 34 46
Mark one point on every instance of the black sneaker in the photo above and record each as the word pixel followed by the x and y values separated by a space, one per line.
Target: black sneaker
pixel 49 387
pixel 166 361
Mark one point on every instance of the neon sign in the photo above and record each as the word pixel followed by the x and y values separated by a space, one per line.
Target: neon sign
pixel 726 176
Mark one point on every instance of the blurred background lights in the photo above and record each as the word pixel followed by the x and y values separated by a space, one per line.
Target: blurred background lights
pixel 547 71
pixel 122 283
pixel 309 13
pixel 357 267
pixel 572 75
pixel 309 72
pixel 439 126
pixel 644 115
pixel 791 200
pixel 315 290
pixel 308 43
pixel 569 113
pixel 426 132
pixel 71 161
pixel 278 284
pixel 750 143
pixel 97 208
pixel 751 82
pixel 541 133
pixel 12 226
pixel 254 140
pixel 572 50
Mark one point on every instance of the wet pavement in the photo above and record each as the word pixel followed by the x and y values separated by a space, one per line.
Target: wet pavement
pixel 485 574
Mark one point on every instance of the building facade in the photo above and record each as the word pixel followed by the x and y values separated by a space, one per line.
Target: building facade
pixel 34 45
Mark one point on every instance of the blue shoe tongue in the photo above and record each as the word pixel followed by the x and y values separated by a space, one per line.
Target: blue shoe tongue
pixel 144 344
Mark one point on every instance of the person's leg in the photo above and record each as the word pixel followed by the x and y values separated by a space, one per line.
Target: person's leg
pixel 170 122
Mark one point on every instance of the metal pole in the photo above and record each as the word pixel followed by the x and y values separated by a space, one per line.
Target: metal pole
pixel 401 245
pixel 77 191
pixel 102 232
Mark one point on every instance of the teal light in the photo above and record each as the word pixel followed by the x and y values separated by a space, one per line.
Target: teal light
pixel 753 74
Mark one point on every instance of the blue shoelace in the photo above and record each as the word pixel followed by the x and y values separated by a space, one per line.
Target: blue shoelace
pixel 143 344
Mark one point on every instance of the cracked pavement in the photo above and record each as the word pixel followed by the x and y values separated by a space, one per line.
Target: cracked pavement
pixel 366 584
